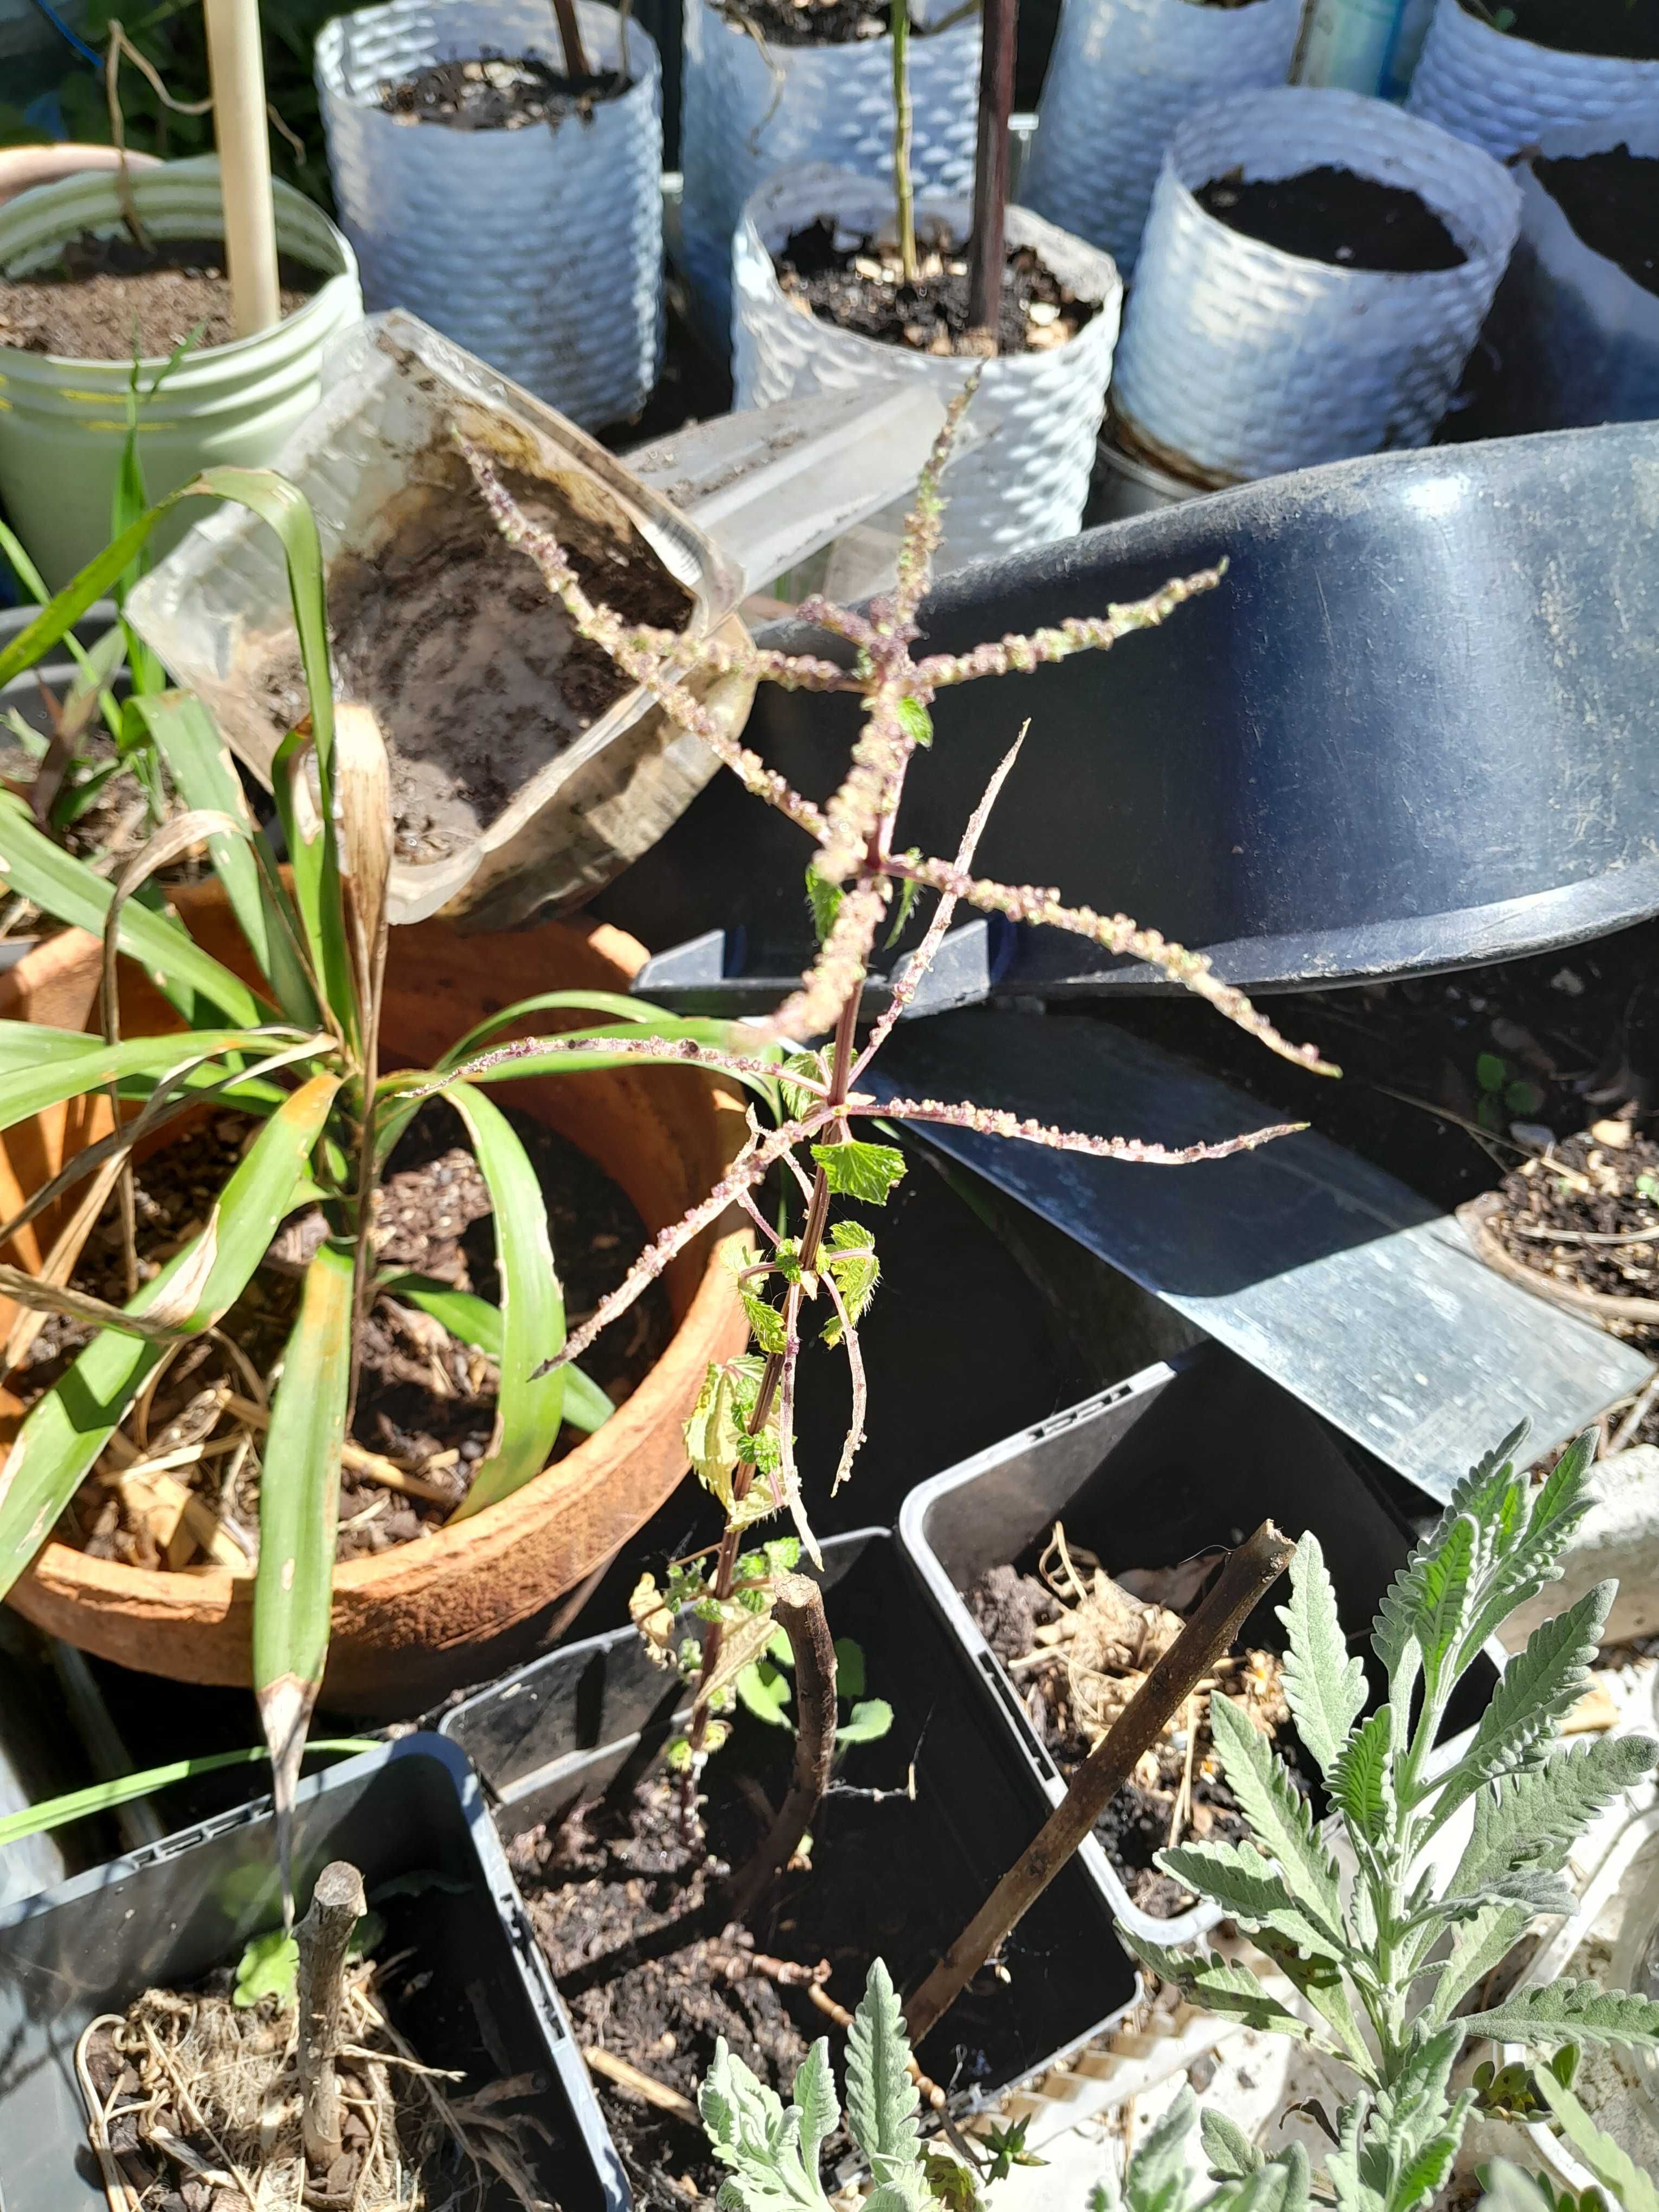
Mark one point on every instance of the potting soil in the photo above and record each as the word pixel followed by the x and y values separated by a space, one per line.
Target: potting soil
pixel 1629 28
pixel 1612 201
pixel 811 22
pixel 426 1401
pixel 1334 215
pixel 472 667
pixel 1586 1214
pixel 497 91
pixel 109 299
pixel 857 283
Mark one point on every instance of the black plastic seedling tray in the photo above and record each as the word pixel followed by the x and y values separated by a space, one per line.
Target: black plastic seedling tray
pixel 169 1913
pixel 565 1726
pixel 1180 1458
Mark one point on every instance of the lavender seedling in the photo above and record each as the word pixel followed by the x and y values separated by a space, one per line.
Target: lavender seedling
pixel 741 1437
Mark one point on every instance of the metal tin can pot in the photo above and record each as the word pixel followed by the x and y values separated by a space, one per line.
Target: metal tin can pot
pixel 1025 478
pixel 538 249
pixel 1241 360
pixel 63 422
pixel 1124 72
pixel 750 110
pixel 1501 92
pixel 1582 334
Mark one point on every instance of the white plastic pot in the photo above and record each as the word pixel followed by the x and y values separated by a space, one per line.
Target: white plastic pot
pixel 749 113
pixel 62 423
pixel 1122 75
pixel 1241 360
pixel 1024 479
pixel 1583 341
pixel 538 249
pixel 1502 93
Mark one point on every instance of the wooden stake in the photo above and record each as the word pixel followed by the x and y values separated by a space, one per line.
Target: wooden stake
pixel 236 71
pixel 338 1903
pixel 1249 1574
pixel 985 253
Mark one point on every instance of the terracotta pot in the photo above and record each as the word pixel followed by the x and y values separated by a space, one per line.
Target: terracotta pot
pixel 1607 1308
pixel 23 168
pixel 412 1623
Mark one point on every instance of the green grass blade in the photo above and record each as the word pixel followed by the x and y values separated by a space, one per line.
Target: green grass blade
pixel 299 1515
pixel 477 1323
pixel 66 889
pixel 25 1091
pixel 35 584
pixel 105 1796
pixel 528 1412
pixel 204 775
pixel 316 894
pixel 23 1043
pixel 67 1429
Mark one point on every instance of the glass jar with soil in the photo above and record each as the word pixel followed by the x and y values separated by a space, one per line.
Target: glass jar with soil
pixel 780 86
pixel 1315 270
pixel 506 187
pixel 823 304
pixel 636 1923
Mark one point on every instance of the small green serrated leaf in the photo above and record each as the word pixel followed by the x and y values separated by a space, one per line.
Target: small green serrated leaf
pixel 1362 1780
pixel 824 900
pixel 855 1169
pixel 1607 2160
pixel 1571 2012
pixel 268 1967
pixel 1278 1817
pixel 881 2098
pixel 1492 1072
pixel 916 721
pixel 765 1323
pixel 1217 1983
pixel 1229 2149
pixel 1325 1688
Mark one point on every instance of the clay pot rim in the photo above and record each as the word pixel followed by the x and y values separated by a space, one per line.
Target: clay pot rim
pixel 1478 1216
pixel 207 1593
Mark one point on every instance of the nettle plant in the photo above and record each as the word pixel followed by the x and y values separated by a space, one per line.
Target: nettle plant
pixel 297 1048
pixel 741 1437
pixel 1450 1862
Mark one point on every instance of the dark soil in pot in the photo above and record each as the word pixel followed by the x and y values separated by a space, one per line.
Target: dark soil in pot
pixel 426 1403
pixel 812 23
pixel 1586 1215
pixel 1612 201
pixel 497 91
pixel 1336 216
pixel 102 296
pixel 633 1923
pixel 470 666
pixel 1628 28
pixel 1076 1646
pixel 857 283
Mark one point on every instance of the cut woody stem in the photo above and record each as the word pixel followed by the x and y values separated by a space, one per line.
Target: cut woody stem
pixel 798 1604
pixel 570 38
pixel 996 99
pixel 1249 1573
pixel 338 1903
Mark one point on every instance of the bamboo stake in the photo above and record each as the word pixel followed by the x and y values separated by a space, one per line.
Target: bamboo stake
pixel 236 70
pixel 996 99
pixel 1249 1573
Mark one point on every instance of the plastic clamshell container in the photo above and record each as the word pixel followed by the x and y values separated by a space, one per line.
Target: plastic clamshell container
pixel 1182 1457
pixel 567 1726
pixel 169 1913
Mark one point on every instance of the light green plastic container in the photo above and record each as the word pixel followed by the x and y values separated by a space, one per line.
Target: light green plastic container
pixel 62 423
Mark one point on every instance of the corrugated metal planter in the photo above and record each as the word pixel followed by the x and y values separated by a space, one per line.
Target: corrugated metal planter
pixel 1241 360
pixel 1023 479
pixel 539 249
pixel 1501 92
pixel 1124 72
pixel 63 422
pixel 749 112
pixel 1584 342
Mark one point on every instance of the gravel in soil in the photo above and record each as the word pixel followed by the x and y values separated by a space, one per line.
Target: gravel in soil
pixel 497 91
pixel 470 666
pixel 856 282
pixel 425 1401
pixel 1336 216
pixel 104 297
pixel 1612 201
pixel 1076 1662
pixel 1629 28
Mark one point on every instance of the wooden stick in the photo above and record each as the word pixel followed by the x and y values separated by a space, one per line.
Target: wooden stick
pixel 898 26
pixel 798 1606
pixel 570 38
pixel 338 1903
pixel 639 2085
pixel 1249 1573
pixel 236 71
pixel 385 1472
pixel 931 2093
pixel 985 253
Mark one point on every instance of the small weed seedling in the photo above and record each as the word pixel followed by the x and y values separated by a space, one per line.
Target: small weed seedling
pixel 764 1688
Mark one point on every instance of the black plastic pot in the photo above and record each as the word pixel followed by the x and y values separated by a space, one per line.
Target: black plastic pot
pixel 1412 729
pixel 567 1726
pixel 167 1914
pixel 1182 1457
